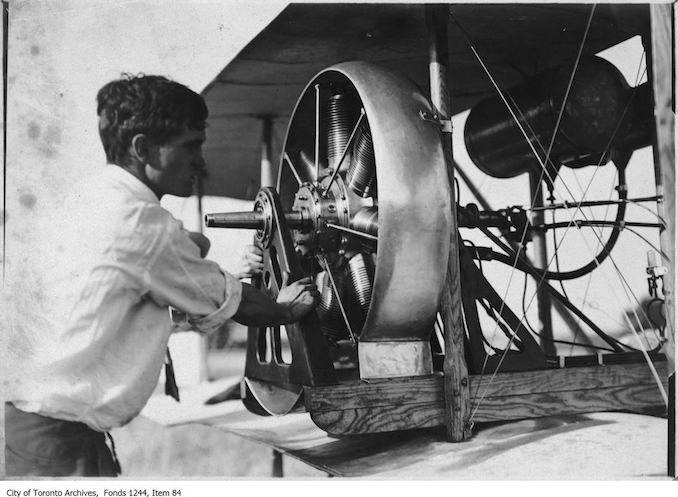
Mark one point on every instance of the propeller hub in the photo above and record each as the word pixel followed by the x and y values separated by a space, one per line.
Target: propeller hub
pixel 320 208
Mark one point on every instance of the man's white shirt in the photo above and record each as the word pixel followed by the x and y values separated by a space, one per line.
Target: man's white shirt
pixel 91 328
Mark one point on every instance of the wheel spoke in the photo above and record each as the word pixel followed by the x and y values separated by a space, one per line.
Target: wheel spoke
pixel 352 232
pixel 317 132
pixel 326 266
pixel 293 169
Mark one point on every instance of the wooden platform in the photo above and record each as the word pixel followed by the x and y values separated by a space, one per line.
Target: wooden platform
pixel 608 446
pixel 367 407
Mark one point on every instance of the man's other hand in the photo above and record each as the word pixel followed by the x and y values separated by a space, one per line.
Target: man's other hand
pixel 251 262
pixel 299 298
pixel 201 241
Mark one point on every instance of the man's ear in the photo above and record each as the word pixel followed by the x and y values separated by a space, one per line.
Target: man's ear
pixel 140 148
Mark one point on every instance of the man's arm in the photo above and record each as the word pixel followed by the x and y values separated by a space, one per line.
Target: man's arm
pixel 180 278
pixel 256 307
pixel 294 302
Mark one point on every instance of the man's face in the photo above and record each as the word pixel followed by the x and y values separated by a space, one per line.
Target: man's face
pixel 177 164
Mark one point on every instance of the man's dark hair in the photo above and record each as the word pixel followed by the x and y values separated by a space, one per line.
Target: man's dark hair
pixel 153 105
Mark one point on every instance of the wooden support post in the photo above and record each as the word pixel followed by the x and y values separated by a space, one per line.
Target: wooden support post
pixel 456 383
pixel 267 176
pixel 277 468
pixel 541 260
pixel 672 426
pixel 661 73
pixel 3 181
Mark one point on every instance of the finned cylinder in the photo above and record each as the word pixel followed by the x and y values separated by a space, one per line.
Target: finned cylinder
pixel 366 220
pixel 329 313
pixel 361 272
pixel 337 128
pixel 362 174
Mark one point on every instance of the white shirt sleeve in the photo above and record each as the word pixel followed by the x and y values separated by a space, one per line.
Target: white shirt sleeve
pixel 180 278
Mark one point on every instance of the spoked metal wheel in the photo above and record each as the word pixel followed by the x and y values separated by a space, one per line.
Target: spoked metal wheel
pixel 362 205
pixel 367 176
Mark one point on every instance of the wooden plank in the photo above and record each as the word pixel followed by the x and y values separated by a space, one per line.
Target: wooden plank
pixel 3 110
pixel 503 408
pixel 416 416
pixel 425 390
pixel 661 73
pixel 356 407
pixel 380 419
pixel 623 397
pixel 554 380
pixel 661 69
pixel 454 365
pixel 357 394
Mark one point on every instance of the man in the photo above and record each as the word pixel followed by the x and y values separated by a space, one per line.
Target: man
pixel 94 338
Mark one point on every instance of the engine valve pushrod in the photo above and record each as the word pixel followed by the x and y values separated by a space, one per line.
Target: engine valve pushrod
pixel 593 203
pixel 293 169
pixel 353 232
pixel 253 220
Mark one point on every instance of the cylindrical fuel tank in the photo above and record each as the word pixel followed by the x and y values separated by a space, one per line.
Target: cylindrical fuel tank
pixel 601 112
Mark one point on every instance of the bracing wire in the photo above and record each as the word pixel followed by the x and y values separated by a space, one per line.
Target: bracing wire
pixel 638 76
pixel 506 259
pixel 573 343
pixel 627 288
pixel 632 297
pixel 661 220
pixel 654 247
pixel 534 151
pixel 543 167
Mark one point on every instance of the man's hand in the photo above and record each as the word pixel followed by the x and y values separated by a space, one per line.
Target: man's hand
pixel 299 298
pixel 201 241
pixel 294 302
pixel 251 263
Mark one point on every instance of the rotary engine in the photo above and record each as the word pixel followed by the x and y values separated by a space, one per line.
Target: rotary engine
pixel 363 205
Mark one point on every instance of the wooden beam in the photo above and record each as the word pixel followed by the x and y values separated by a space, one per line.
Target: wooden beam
pixel 277 465
pixel 456 391
pixel 357 407
pixel 3 109
pixel 539 246
pixel 661 73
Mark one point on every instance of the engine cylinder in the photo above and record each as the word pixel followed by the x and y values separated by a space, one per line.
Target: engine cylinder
pixel 366 220
pixel 361 272
pixel 307 160
pixel 338 131
pixel 362 175
pixel 602 111
pixel 329 313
